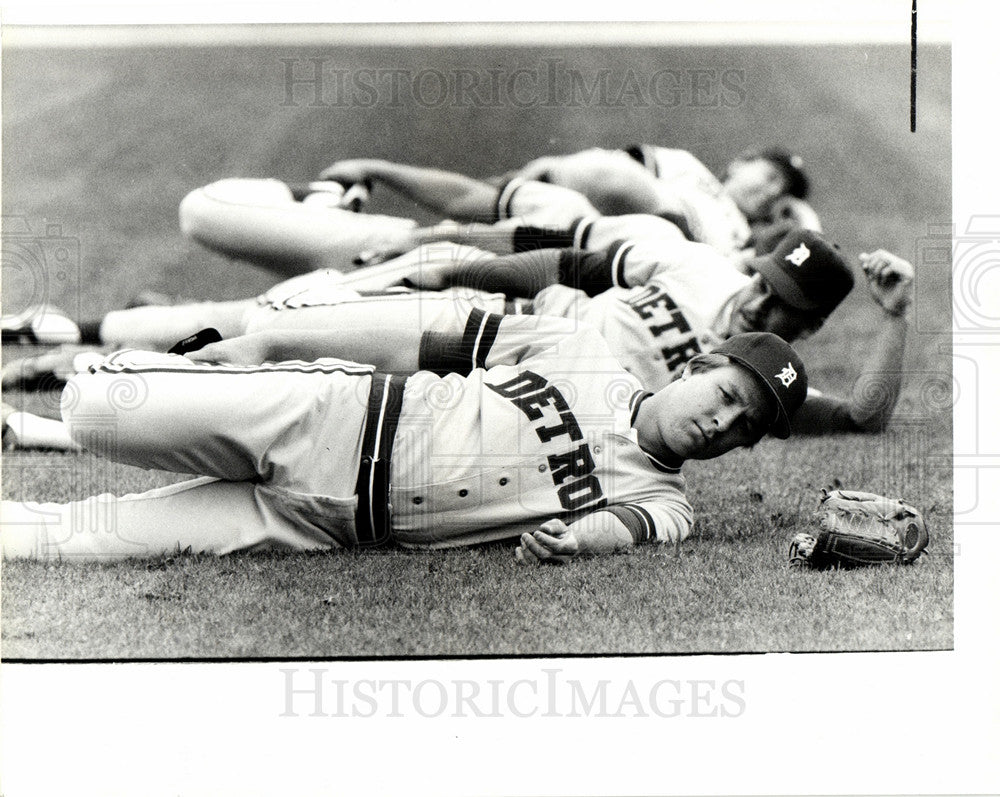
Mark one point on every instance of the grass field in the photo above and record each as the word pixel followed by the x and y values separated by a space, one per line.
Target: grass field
pixel 99 147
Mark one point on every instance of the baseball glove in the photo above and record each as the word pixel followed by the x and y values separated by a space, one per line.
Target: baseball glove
pixel 857 529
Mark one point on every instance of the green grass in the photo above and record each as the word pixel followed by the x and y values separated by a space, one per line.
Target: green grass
pixel 104 145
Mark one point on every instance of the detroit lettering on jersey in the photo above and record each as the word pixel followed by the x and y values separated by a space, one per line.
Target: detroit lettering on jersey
pixel 664 319
pixel 570 466
pixel 595 272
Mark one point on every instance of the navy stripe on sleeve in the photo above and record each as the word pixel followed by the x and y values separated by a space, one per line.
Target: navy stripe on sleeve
pixel 621 251
pixel 505 195
pixel 636 519
pixel 529 238
pixel 446 352
pixel 487 337
pixel 594 272
pixel 580 232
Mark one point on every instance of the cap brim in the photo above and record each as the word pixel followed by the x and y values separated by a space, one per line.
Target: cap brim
pixel 783 285
pixel 780 427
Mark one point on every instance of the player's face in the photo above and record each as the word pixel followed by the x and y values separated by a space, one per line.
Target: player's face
pixel 758 309
pixel 712 412
pixel 754 186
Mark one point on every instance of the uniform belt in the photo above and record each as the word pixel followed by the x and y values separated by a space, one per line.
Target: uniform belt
pixel 372 518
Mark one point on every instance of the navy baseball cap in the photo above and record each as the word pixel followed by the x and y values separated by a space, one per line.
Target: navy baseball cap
pixel 776 365
pixel 806 271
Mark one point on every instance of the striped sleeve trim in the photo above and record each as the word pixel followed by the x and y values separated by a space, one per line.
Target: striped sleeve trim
pixel 446 352
pixel 633 404
pixel 580 231
pixel 637 520
pixel 620 250
pixel 590 272
pixel 485 337
pixel 504 198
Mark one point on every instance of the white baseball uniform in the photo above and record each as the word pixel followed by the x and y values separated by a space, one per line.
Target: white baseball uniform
pixel 655 305
pixel 713 217
pixel 532 421
pixel 260 221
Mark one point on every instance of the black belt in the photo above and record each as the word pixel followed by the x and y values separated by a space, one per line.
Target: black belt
pixel 372 518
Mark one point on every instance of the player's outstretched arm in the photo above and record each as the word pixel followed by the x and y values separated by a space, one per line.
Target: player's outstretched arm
pixel 497 238
pixel 522 274
pixel 449 193
pixel 394 350
pixel 875 393
pixel 556 543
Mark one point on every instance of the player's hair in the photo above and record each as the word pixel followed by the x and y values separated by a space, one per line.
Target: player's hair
pixel 708 362
pixel 790 165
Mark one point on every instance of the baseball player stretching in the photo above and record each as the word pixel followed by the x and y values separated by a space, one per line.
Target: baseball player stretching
pixel 758 187
pixel 290 230
pixel 655 313
pixel 534 422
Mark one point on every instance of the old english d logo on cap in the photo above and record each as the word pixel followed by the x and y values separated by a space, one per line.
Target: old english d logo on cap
pixel 787 375
pixel 799 255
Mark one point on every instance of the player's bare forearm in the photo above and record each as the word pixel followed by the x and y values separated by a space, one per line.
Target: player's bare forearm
pixel 449 193
pixel 497 238
pixel 389 349
pixel 556 543
pixel 876 391
pixel 874 394
pixel 523 274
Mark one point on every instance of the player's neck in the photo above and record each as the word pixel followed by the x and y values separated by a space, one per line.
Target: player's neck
pixel 648 431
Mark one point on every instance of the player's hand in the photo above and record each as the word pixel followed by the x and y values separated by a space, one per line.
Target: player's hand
pixel 243 350
pixel 551 543
pixel 348 172
pixel 890 280
pixel 428 278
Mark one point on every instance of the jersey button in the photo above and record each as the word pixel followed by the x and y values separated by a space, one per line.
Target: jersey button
pixel 503 481
pixel 597 449
pixel 462 493
pixel 542 469
pixel 418 500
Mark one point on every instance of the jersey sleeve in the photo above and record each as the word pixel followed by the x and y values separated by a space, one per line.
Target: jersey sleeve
pixel 668 520
pixel 595 272
pixel 490 339
pixel 503 207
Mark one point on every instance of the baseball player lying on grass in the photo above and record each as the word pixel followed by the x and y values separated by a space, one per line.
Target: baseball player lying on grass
pixel 524 427
pixel 292 230
pixel 654 312
pixel 267 223
pixel 758 188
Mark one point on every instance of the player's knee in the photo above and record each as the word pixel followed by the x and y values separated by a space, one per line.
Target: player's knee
pixel 94 405
pixel 204 209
